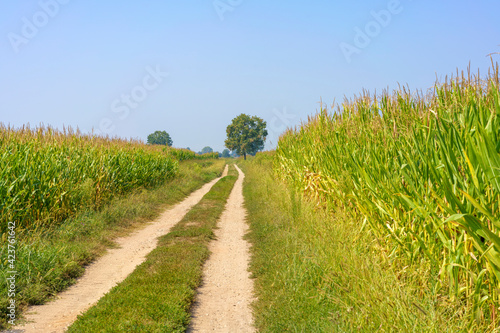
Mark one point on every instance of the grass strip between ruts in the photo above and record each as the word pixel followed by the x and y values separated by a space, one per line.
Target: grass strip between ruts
pixel 157 296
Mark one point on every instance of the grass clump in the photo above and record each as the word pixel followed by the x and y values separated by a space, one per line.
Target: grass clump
pixel 319 270
pixel 49 259
pixel 157 296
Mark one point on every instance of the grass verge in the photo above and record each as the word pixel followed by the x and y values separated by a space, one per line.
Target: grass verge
pixel 317 272
pixel 51 259
pixel 157 296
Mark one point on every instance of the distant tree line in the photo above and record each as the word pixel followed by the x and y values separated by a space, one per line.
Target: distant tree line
pixel 245 135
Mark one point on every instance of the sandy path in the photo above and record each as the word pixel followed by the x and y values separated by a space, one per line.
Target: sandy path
pixel 107 271
pixel 223 300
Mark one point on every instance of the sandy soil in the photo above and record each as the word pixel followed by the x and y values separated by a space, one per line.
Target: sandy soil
pixel 106 272
pixel 223 300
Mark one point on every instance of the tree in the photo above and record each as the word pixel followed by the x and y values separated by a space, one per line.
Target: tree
pixel 225 153
pixel 160 138
pixel 246 135
pixel 206 149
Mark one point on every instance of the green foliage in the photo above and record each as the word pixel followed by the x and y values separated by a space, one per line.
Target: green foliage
pixel 423 173
pixel 225 153
pixel 246 135
pixel 160 138
pixel 46 176
pixel 208 156
pixel 180 154
pixel 206 150
pixel 186 154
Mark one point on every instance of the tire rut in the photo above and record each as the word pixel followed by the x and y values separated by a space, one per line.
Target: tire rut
pixel 223 300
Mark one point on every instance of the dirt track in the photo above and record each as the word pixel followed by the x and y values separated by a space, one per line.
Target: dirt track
pixel 223 300
pixel 106 272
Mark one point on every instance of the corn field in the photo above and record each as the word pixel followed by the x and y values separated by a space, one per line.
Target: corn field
pixel 423 171
pixel 47 175
pixel 186 154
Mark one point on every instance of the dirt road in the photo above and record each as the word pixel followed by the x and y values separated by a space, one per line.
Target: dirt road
pixel 223 300
pixel 106 272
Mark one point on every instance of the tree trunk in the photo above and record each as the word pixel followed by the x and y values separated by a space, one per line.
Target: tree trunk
pixel 245 156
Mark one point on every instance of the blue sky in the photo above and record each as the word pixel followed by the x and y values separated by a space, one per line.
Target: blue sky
pixel 128 68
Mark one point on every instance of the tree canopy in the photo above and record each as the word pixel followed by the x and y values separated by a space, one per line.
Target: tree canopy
pixel 225 153
pixel 160 138
pixel 206 150
pixel 246 135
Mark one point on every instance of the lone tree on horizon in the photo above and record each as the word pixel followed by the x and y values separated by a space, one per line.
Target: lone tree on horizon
pixel 246 135
pixel 160 138
pixel 206 150
pixel 226 153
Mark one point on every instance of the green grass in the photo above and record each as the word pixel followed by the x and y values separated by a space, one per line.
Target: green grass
pixel 50 259
pixel 157 296
pixel 320 271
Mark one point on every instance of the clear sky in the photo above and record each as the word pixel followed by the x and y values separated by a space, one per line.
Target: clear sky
pixel 128 68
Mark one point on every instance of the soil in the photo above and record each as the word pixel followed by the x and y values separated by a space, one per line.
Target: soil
pixel 223 300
